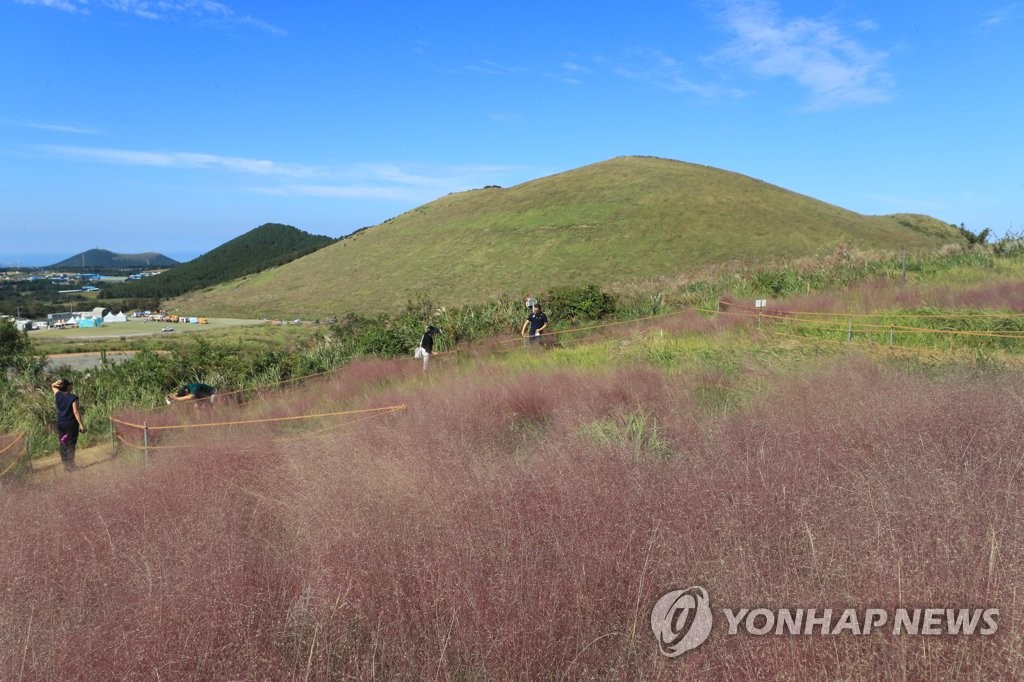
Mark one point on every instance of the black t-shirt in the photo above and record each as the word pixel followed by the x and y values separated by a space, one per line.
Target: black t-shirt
pixel 427 343
pixel 537 320
pixel 65 411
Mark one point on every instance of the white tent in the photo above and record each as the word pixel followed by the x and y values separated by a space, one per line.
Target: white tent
pixel 111 317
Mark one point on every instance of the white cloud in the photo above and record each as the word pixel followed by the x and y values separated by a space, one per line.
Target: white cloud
pixel 1002 15
pixel 439 179
pixel 570 72
pixel 71 6
pixel 487 67
pixel 402 182
pixel 183 160
pixel 662 71
pixel 347 192
pixel 52 126
pixel 835 69
pixel 157 10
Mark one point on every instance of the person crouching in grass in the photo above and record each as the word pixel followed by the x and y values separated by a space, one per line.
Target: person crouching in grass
pixel 196 391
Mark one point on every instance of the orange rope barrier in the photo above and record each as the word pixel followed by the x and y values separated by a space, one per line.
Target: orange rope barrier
pixel 871 327
pixel 390 408
pixel 889 314
pixel 379 412
pixel 139 446
pixel 594 326
pixel 364 418
pixel 903 328
pixel 847 344
pixel 17 439
pixel 9 467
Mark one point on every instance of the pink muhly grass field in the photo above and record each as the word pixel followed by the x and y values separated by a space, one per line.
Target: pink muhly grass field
pixel 500 528
pixel 871 296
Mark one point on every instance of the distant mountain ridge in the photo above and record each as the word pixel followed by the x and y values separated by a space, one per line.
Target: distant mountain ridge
pixel 266 246
pixel 617 222
pixel 102 259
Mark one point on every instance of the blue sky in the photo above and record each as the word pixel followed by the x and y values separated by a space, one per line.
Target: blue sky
pixel 177 125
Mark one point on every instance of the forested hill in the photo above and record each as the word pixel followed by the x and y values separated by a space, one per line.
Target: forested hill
pixel 266 246
pixel 102 259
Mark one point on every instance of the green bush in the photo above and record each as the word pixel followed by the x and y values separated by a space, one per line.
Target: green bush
pixel 16 351
pixel 572 304
pixel 776 283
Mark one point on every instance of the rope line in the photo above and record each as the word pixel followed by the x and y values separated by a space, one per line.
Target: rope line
pixel 9 467
pixel 834 326
pixel 366 417
pixel 17 439
pixel 890 314
pixel 859 344
pixel 139 446
pixel 594 326
pixel 390 408
pixel 317 432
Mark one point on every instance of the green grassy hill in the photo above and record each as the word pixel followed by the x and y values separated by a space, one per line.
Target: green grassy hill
pixel 614 222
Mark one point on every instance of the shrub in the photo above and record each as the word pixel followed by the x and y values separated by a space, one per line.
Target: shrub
pixel 776 282
pixel 573 304
pixel 16 351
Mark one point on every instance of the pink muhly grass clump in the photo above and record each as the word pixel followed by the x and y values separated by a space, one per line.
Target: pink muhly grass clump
pixel 997 296
pixel 160 571
pixel 487 533
pixel 872 488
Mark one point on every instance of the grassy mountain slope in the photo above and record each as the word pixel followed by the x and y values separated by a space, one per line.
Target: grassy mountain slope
pixel 104 259
pixel 617 221
pixel 258 249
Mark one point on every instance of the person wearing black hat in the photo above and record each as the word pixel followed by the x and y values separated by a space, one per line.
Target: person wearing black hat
pixel 69 421
pixel 426 346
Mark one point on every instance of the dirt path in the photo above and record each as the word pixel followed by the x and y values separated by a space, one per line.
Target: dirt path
pixel 49 468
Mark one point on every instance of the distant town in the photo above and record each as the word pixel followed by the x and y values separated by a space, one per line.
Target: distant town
pixel 84 280
pixel 15 283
